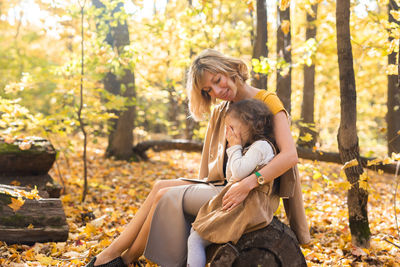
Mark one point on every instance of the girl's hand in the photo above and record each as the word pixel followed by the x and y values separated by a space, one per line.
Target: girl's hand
pixel 234 196
pixel 233 137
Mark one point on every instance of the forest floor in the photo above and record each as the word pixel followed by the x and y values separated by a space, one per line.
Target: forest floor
pixel 117 189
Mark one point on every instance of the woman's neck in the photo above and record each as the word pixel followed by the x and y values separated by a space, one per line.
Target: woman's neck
pixel 245 92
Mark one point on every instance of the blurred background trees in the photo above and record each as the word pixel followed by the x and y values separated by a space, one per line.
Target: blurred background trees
pixel 39 58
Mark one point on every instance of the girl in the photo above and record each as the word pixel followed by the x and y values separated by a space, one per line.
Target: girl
pixel 249 126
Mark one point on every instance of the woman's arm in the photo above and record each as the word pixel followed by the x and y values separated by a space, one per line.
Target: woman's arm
pixel 284 160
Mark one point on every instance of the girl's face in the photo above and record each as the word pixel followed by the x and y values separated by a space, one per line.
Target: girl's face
pixel 219 86
pixel 238 128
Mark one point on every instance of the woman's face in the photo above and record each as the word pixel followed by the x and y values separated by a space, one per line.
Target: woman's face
pixel 219 86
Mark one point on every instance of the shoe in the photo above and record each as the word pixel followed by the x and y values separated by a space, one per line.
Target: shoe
pixel 117 262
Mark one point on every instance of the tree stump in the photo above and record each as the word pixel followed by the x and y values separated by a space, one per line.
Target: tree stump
pixel 37 220
pixel 274 245
pixel 29 165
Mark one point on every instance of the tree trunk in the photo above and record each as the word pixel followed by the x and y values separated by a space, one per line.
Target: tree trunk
pixel 121 136
pixel 393 98
pixel 260 48
pixel 307 108
pixel 283 83
pixel 190 123
pixel 173 110
pixel 357 198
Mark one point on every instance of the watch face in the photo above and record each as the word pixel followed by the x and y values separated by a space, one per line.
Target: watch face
pixel 260 179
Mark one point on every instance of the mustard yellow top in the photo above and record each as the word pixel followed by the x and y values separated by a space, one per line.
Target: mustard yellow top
pixel 271 100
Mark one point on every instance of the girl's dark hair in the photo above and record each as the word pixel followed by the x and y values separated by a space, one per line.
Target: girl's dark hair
pixel 255 114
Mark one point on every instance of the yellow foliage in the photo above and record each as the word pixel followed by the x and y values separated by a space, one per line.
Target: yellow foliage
pixel 393 46
pixel 395 156
pixel 395 14
pixel 387 161
pixel 45 261
pixel 306 138
pixel 105 242
pixel 344 185
pixel 285 26
pixel 350 163
pixel 284 4
pixel 30 255
pixel 16 203
pixel 317 175
pixel 90 229
pixel 373 162
pixel 392 69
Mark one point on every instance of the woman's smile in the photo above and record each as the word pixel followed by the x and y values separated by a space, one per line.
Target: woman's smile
pixel 219 86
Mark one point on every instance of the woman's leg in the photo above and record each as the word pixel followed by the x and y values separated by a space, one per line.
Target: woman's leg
pixel 166 243
pixel 131 231
pixel 137 248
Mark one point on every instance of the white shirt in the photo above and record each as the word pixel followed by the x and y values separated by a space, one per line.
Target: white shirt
pixel 240 166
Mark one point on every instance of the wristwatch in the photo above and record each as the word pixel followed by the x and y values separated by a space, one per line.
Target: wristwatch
pixel 260 178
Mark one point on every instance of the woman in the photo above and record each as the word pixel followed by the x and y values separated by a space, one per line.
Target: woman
pixel 161 226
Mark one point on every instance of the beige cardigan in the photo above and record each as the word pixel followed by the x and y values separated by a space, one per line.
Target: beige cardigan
pixel 212 162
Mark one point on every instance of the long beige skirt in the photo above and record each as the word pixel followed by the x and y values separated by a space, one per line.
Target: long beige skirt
pixel 171 223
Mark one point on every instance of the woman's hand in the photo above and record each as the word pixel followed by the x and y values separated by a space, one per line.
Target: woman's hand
pixel 232 137
pixel 235 195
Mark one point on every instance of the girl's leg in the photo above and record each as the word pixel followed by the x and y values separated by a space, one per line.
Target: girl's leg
pixel 196 250
pixel 125 240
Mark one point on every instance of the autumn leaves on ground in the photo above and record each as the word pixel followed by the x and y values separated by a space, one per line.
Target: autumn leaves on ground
pixel 117 188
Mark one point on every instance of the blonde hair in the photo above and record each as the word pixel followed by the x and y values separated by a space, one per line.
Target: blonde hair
pixel 214 62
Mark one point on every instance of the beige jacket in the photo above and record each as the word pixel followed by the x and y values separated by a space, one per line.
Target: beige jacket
pixel 212 163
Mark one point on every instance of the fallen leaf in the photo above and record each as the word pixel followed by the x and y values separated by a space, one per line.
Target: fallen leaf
pixel 350 163
pixel 15 182
pixel 24 146
pixel 373 162
pixel 285 26
pixel 16 203
pixel 8 139
pixel 356 251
